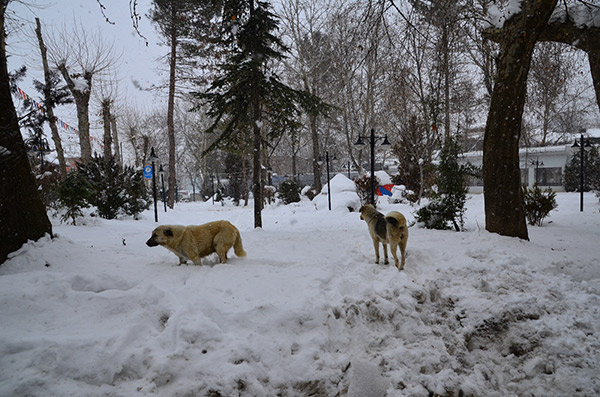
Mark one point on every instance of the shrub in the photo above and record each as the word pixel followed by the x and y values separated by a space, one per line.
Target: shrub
pixel 74 194
pixel 447 206
pixel 289 192
pixel 538 204
pixel 363 188
pixel 436 214
pixel 112 189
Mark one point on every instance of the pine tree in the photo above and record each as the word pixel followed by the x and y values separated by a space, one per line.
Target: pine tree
pixel 447 206
pixel 591 174
pixel 247 94
pixel 104 184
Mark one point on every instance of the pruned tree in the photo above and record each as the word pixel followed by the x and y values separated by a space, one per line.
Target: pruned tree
pixel 80 56
pixel 106 94
pixel 51 98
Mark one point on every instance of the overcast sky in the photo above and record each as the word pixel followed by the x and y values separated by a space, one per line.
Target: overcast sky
pixel 139 65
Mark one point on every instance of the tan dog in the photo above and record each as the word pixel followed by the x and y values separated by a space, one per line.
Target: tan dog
pixel 195 242
pixel 389 229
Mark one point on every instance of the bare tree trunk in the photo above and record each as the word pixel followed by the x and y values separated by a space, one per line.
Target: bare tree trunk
pixel 257 143
pixel 504 210
pixel 314 132
pixel 245 179
pixel 170 110
pixel 62 165
pixel 82 104
pixel 106 124
pixel 22 214
pixel 115 139
pixel 594 60
pixel 446 56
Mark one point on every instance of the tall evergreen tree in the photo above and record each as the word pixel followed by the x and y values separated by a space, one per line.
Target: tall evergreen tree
pixel 591 168
pixel 247 94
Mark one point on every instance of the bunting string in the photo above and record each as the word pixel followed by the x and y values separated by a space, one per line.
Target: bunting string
pixel 63 125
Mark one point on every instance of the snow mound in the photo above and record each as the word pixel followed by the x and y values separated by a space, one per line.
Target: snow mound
pixel 343 195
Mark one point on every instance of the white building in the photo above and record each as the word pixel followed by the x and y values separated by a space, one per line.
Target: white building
pixel 544 165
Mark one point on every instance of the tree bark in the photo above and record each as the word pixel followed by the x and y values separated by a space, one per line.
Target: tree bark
pixel 566 31
pixel 82 104
pixel 22 214
pixel 171 108
pixel 504 209
pixel 257 143
pixel 594 60
pixel 60 153
pixel 314 132
pixel 106 124
pixel 115 139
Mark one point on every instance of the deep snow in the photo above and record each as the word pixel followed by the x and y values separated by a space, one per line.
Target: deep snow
pixel 95 312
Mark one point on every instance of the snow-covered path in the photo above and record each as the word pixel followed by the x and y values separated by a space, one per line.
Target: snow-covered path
pixel 95 312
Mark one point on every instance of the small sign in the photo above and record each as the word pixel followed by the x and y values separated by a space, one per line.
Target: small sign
pixel 148 171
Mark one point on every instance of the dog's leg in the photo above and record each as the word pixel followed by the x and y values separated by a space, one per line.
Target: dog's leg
pixel 197 261
pixel 385 254
pixel 394 249
pixel 403 241
pixel 222 249
pixel 376 246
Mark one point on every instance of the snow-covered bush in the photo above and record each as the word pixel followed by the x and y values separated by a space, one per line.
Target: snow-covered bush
pixel 104 184
pixel 538 204
pixel 447 206
pixel 289 192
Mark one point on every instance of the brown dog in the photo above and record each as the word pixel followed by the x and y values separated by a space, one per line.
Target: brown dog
pixel 389 229
pixel 195 242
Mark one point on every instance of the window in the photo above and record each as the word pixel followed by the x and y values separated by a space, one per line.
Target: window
pixel 549 176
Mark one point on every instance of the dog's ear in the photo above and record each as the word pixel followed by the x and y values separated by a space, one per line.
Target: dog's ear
pixel 168 232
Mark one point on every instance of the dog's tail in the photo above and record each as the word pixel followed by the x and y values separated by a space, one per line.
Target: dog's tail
pixel 396 219
pixel 238 248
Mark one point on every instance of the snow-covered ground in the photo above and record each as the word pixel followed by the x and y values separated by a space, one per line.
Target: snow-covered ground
pixel 95 312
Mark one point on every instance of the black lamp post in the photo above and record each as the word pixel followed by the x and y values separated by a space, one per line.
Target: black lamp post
pixel 161 172
pixel 320 161
pixel 153 158
pixel 583 145
pixel 372 139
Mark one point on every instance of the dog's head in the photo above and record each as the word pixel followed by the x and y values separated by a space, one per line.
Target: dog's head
pixel 160 236
pixel 366 212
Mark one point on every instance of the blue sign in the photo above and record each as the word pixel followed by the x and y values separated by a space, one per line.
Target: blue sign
pixel 148 171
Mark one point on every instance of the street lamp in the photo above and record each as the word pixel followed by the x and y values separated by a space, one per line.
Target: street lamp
pixel 153 158
pixel 583 145
pixel 161 172
pixel 328 184
pixel 372 139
